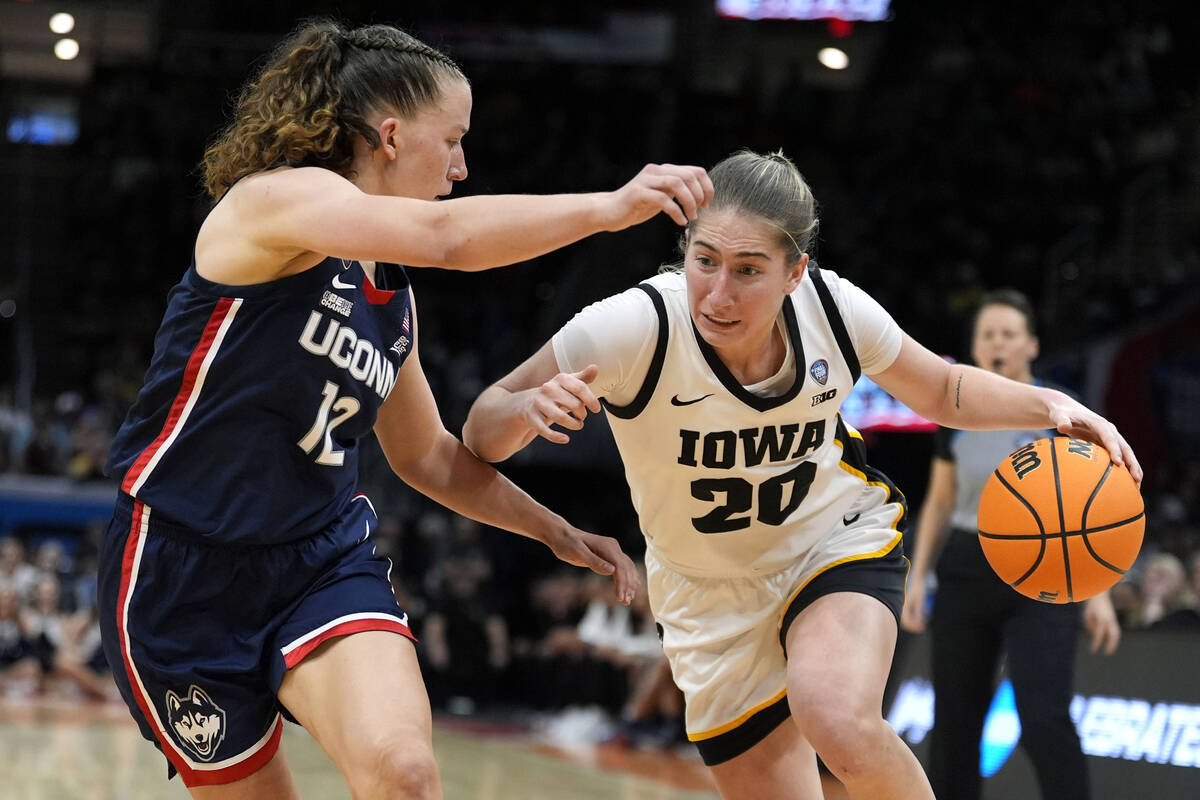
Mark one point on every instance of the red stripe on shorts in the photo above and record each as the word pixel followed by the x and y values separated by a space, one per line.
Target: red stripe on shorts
pixel 242 769
pixel 191 776
pixel 354 626
pixel 129 564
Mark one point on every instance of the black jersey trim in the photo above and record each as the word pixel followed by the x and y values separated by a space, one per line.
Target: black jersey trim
pixel 392 277
pixel 836 324
pixel 735 387
pixel 638 404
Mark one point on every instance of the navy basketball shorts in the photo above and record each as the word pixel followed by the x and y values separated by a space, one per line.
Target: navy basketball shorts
pixel 199 635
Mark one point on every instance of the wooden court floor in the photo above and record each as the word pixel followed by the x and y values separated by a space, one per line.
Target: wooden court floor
pixel 54 750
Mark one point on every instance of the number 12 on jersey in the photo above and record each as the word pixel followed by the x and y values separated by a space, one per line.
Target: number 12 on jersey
pixel 334 411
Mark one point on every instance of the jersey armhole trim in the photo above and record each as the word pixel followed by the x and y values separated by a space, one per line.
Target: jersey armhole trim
pixel 836 324
pixel 650 382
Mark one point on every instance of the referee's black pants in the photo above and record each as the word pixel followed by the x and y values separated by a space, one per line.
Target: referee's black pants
pixel 976 619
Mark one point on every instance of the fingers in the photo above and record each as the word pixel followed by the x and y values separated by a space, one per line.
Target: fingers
pixel 1113 639
pixel 564 400
pixel 625 574
pixel 1131 462
pixel 677 191
pixel 693 189
pixel 1097 429
pixel 1105 636
pixel 911 619
pixel 578 386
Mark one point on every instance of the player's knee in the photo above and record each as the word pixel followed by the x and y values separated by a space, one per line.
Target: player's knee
pixel 842 736
pixel 396 767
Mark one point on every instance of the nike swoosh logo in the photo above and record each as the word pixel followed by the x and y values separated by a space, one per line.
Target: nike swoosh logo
pixel 850 520
pixel 675 401
pixel 339 284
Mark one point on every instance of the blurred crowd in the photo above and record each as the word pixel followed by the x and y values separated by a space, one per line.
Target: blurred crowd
pixel 1056 152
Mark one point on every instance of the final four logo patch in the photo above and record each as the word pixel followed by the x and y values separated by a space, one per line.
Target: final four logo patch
pixel 820 371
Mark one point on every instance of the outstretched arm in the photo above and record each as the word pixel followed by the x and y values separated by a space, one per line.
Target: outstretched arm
pixel 525 403
pixel 969 398
pixel 427 457
pixel 272 224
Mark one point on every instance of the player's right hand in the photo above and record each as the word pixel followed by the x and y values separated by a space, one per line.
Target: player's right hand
pixel 602 555
pixel 564 400
pixel 912 617
pixel 677 191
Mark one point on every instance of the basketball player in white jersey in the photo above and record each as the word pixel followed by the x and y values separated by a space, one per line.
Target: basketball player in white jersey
pixel 774 558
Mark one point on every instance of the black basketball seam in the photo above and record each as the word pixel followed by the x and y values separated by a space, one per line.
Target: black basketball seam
pixel 1083 523
pixel 1042 550
pixel 1099 560
pixel 1062 519
pixel 1024 502
pixel 1088 505
pixel 1097 529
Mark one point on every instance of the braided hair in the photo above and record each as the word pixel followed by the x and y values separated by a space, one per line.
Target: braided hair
pixel 314 95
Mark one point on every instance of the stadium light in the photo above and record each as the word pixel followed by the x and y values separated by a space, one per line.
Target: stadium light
pixel 833 58
pixel 66 48
pixel 62 23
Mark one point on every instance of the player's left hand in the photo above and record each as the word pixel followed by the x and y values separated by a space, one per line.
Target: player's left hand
pixel 1100 620
pixel 602 555
pixel 1079 422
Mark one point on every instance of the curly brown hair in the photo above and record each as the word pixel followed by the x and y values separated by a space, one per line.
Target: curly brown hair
pixel 314 94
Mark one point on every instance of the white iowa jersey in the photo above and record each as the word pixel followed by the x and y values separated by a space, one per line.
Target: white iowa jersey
pixel 726 482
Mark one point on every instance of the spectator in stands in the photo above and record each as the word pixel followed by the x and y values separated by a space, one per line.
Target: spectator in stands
pixel 465 640
pixel 19 670
pixel 44 622
pixel 15 572
pixel 1164 590
pixel 80 657
pixel 545 644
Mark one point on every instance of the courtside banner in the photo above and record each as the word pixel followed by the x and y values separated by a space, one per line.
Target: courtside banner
pixel 1137 713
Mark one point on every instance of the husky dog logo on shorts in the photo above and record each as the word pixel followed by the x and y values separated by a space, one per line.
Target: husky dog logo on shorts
pixel 198 722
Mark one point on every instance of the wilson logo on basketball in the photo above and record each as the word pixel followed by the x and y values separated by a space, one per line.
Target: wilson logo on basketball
pixel 1024 461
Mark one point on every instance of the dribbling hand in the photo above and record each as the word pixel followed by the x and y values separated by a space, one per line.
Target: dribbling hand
pixel 677 191
pixel 1079 422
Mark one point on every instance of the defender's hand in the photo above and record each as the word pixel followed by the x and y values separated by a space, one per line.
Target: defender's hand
pixel 678 191
pixel 602 555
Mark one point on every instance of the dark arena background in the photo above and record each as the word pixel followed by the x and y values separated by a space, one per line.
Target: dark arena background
pixel 954 146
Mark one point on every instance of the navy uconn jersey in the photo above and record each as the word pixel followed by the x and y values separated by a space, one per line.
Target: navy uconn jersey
pixel 248 425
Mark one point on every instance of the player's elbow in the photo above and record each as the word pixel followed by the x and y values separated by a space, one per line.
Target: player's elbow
pixel 486 448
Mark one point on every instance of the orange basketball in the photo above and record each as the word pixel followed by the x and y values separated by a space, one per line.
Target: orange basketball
pixel 1059 522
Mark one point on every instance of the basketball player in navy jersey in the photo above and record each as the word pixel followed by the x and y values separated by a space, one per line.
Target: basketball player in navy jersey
pixel 774 557
pixel 239 583
pixel 978 618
